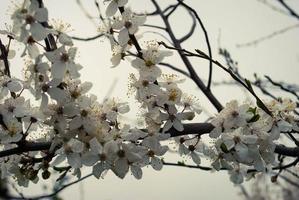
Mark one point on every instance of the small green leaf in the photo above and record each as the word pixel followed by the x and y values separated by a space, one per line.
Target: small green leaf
pixel 261 105
pixel 248 84
pixel 252 110
pixel 254 118
pixel 224 148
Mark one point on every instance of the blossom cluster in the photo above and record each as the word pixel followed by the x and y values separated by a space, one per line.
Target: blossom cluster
pixel 82 131
pixel 245 136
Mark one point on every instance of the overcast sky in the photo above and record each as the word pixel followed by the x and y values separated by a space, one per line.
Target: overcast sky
pixel 228 22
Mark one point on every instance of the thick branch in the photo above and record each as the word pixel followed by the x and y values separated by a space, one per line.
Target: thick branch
pixel 26 147
pixel 192 128
pixel 291 11
pixel 4 55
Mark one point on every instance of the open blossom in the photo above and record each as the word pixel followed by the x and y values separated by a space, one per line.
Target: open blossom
pixel 128 25
pixel 118 54
pixel 246 135
pixel 9 85
pixel 27 21
pixel 192 147
pixel 11 130
pixel 189 102
pixel 60 29
pixel 62 62
pixel 155 149
pixel 173 119
pixel 151 57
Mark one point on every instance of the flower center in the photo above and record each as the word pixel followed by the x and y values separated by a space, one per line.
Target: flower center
pixel 64 57
pixel 173 95
pixel 29 19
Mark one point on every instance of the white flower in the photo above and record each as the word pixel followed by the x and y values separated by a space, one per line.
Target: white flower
pixel 151 57
pixel 154 150
pixel 174 119
pixel 9 85
pixel 126 154
pixel 31 47
pixel 28 19
pixel 129 24
pixel 11 130
pixel 62 62
pixel 189 102
pixel 61 28
pixel 237 175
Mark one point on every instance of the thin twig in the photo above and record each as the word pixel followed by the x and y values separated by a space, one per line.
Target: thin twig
pixel 54 193
pixel 187 63
pixel 267 37
pixel 207 40
pixel 88 38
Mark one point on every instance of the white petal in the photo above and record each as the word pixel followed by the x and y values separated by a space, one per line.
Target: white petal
pixel 98 169
pixel 122 3
pixel 111 8
pixel 76 145
pixel 167 126
pixel 115 60
pixel 178 125
pixel 137 63
pixel 195 157
pixel 57 94
pixel 65 39
pixel 85 87
pixel 259 165
pixel 121 167
pixel 215 133
pixel 136 171
pixel 242 151
pixel 123 37
pixel 58 70
pixel 183 150
pixel 236 178
pixel 76 123
pixel 38 32
pixel 95 146
pixel 11 54
pixel 156 163
pixel 33 50
pixel 89 159
pixel 59 159
pixel 45 101
pixel 14 86
pixel 41 14
pixel 74 160
pixel 249 139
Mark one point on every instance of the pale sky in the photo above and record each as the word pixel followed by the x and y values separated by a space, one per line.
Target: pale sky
pixel 228 22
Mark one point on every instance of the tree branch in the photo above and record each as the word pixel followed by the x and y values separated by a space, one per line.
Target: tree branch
pixel 192 129
pixel 291 11
pixel 54 193
pixel 190 32
pixel 3 57
pixel 187 63
pixel 206 37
